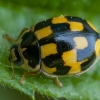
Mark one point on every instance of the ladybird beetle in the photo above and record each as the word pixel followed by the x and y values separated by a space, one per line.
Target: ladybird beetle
pixel 57 47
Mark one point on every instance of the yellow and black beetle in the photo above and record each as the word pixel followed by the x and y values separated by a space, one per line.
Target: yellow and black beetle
pixel 57 47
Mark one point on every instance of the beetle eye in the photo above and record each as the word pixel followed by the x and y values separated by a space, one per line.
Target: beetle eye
pixel 15 56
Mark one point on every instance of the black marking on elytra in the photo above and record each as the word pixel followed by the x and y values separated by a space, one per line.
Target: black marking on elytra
pixel 47 40
pixel 55 27
pixel 65 41
pixel 42 24
pixel 89 50
pixel 58 30
pixel 19 60
pixel 62 70
pixel 61 27
pixel 56 61
pixel 64 46
pixel 88 63
pixel 52 60
pixel 32 54
pixel 27 39
pixel 74 19
pixel 87 27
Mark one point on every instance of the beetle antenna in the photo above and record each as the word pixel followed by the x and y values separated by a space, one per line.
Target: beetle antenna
pixel 8 38
pixel 6 41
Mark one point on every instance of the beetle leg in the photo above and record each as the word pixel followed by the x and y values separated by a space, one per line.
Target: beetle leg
pixel 23 77
pixel 58 82
pixel 27 73
pixel 8 38
pixel 12 72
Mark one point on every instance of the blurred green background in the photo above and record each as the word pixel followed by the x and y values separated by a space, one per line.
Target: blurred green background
pixel 18 14
pixel 11 94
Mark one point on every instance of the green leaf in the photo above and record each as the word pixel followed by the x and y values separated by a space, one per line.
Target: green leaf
pixel 17 15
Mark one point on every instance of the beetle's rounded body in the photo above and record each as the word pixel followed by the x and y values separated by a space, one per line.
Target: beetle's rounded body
pixel 57 47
